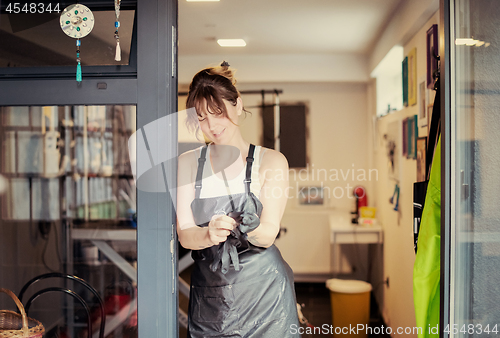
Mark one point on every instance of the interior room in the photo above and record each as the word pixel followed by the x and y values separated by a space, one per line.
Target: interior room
pixel 335 59
pixel 93 119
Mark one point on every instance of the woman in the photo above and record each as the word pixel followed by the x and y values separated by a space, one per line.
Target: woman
pixel 231 197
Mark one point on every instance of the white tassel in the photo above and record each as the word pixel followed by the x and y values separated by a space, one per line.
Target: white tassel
pixel 118 54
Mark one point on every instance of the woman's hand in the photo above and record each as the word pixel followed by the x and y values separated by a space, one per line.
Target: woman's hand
pixel 219 228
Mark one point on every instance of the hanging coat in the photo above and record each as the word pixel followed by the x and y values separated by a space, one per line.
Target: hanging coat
pixel 426 270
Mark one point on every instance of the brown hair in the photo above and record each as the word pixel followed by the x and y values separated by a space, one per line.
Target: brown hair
pixel 210 86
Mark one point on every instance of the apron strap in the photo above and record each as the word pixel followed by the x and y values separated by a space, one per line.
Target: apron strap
pixel 201 164
pixel 199 174
pixel 248 176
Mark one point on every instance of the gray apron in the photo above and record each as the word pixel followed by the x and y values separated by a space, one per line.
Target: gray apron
pixel 238 289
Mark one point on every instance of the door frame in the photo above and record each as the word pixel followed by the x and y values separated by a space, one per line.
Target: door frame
pixel 153 89
pixel 445 10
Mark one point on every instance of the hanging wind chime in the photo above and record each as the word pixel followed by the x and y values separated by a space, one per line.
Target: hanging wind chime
pixel 77 22
pixel 118 54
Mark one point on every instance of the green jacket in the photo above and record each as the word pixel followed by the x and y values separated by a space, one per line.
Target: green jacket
pixel 426 271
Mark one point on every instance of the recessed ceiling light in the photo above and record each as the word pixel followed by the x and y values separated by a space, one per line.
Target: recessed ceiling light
pixel 231 42
pixel 200 0
pixel 471 42
pixel 464 41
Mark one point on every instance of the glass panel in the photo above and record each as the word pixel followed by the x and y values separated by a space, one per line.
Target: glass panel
pixel 68 205
pixel 37 40
pixel 475 242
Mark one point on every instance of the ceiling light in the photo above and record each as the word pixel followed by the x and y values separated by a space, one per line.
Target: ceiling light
pixel 231 42
pixel 467 41
pixel 471 42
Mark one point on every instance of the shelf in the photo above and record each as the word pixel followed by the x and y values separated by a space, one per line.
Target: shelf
pixel 105 234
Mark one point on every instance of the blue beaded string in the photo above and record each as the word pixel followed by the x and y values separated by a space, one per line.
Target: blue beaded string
pixel 79 66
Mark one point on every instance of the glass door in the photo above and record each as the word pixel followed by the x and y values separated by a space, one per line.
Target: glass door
pixel 73 183
pixel 472 134
pixel 68 207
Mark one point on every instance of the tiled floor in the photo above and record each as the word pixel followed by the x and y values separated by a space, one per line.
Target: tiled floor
pixel 316 308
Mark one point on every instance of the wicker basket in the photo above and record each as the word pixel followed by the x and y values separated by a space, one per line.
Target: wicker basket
pixel 15 325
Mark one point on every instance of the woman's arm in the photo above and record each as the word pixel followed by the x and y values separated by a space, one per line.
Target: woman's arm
pixel 273 196
pixel 190 235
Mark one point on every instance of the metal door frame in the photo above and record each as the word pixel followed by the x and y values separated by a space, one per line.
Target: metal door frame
pixel 445 48
pixel 153 90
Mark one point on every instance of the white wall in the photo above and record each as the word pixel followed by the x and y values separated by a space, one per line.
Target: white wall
pixel 406 21
pixel 399 256
pixel 337 140
pixel 283 67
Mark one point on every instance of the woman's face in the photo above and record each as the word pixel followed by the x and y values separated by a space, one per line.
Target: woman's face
pixel 218 128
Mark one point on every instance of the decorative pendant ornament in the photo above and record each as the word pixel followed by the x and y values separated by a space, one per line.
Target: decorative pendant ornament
pixel 118 54
pixel 78 67
pixel 77 21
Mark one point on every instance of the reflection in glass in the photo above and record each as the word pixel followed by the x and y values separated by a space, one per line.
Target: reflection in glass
pixel 37 40
pixel 475 241
pixel 69 206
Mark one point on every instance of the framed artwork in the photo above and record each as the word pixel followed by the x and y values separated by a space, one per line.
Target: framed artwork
pixel 421 157
pixel 432 53
pixel 405 137
pixel 405 81
pixel 312 195
pixel 412 77
pixel 422 108
pixel 412 137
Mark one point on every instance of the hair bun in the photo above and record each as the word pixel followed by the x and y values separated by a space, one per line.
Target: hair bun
pixel 224 64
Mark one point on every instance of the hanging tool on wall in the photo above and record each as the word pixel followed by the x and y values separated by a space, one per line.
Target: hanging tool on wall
pixel 395 197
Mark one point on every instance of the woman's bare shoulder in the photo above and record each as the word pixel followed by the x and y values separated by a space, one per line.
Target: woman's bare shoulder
pixel 273 159
pixel 189 157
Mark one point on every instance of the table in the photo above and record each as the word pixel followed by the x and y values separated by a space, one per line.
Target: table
pixel 343 231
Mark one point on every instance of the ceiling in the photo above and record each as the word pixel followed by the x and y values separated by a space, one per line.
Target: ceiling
pixel 283 26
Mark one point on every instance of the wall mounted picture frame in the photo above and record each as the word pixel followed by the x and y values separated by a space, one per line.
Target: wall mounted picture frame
pixel 405 136
pixel 422 108
pixel 311 195
pixel 412 137
pixel 412 77
pixel 432 53
pixel 405 81
pixel 421 158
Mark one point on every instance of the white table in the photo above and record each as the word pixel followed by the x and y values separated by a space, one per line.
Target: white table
pixel 343 231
